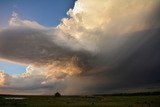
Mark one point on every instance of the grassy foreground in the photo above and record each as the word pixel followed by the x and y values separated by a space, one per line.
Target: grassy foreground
pixel 81 101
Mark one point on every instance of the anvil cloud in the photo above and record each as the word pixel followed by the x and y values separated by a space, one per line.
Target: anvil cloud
pixel 104 45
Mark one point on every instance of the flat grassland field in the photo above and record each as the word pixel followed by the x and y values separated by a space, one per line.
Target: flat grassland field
pixel 80 101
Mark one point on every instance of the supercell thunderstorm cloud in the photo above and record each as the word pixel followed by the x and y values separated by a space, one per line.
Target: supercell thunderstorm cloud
pixel 103 46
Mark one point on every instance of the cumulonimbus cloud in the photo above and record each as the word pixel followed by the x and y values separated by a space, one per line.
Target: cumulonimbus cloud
pixel 103 43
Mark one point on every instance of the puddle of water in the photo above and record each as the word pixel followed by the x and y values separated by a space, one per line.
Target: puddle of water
pixel 14 98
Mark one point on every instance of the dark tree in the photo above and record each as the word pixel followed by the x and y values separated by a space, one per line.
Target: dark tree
pixel 57 94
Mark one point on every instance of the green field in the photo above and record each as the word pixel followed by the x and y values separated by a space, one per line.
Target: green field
pixel 81 101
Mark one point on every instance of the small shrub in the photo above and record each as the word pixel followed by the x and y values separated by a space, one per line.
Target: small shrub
pixel 57 94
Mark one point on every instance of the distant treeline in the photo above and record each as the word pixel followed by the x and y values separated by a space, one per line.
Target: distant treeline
pixel 114 94
pixel 130 94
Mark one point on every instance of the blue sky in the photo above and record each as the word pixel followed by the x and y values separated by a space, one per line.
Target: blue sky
pixel 45 12
pixel 11 68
